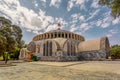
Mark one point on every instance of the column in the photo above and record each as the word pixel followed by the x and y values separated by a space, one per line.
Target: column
pixel 74 36
pixel 61 34
pixel 64 35
pixel 57 34
pixel 48 49
pixel 53 35
pixel 68 36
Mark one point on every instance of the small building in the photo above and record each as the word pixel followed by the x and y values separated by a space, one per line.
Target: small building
pixel 25 55
pixel 62 45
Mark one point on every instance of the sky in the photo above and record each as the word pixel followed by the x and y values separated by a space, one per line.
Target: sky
pixel 84 17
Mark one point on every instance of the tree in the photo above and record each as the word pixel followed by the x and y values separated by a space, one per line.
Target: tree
pixel 8 34
pixel 3 42
pixel 115 51
pixel 10 37
pixel 114 5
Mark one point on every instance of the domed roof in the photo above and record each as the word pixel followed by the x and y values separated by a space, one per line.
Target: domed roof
pixel 58 34
pixel 58 30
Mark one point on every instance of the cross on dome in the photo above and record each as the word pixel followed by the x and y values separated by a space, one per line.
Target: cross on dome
pixel 59 26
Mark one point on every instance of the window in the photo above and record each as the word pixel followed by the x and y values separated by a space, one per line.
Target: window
pixel 50 45
pixel 58 34
pixel 43 49
pixel 47 49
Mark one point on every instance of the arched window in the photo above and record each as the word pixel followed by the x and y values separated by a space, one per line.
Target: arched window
pixel 55 35
pixel 69 36
pixel 50 48
pixel 38 48
pixel 63 35
pixel 58 34
pixel 72 36
pixel 68 49
pixel 43 49
pixel 73 49
pixel 52 35
pixel 47 49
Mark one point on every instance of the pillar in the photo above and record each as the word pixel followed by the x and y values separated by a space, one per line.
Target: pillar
pixel 68 35
pixel 64 35
pixel 61 34
pixel 48 49
pixel 57 34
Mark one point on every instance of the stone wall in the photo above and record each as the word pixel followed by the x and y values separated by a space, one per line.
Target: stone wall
pixel 58 58
pixel 92 55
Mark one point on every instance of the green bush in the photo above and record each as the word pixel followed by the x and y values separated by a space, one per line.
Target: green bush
pixel 35 58
pixel 115 51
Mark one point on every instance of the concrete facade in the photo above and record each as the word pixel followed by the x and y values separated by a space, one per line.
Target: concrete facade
pixel 61 45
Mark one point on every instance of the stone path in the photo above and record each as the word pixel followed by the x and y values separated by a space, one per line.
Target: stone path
pixel 105 66
pixel 57 71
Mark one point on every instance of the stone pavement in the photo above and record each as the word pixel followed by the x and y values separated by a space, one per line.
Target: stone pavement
pixel 59 71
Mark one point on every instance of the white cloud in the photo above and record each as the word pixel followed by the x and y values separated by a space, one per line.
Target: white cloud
pixel 61 21
pixel 29 30
pixel 111 32
pixel 95 4
pixel 106 22
pixel 73 28
pixel 70 5
pixel 51 27
pixel 81 3
pixel 35 3
pixel 55 3
pixel 98 23
pixel 43 0
pixel 73 3
pixel 109 35
pixel 54 26
pixel 85 26
pixel 25 17
pixel 75 16
pixel 81 18
pixel 116 21
pixel 36 32
pixel 92 15
pixel 105 25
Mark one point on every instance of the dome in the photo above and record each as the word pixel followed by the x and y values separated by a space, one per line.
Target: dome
pixel 58 30
pixel 58 34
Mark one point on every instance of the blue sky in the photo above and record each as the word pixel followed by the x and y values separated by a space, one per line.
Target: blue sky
pixel 83 17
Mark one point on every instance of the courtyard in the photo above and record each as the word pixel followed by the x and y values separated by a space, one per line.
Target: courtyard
pixel 82 70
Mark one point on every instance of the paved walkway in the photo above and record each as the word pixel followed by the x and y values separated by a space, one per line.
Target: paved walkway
pixel 85 70
pixel 107 66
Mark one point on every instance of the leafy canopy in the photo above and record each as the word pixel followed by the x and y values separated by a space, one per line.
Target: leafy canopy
pixel 114 5
pixel 10 36
pixel 115 51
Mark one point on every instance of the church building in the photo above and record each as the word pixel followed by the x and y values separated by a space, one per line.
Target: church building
pixel 62 45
